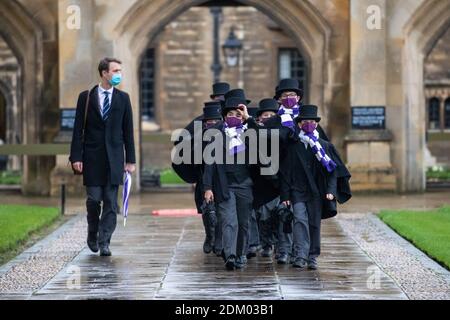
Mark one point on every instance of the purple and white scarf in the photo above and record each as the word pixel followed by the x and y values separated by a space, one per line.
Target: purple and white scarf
pixel 288 115
pixel 236 144
pixel 312 139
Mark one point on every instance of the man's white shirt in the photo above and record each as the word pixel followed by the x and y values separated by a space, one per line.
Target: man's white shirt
pixel 101 96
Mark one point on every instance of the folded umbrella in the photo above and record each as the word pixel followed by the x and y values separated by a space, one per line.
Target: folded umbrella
pixel 125 196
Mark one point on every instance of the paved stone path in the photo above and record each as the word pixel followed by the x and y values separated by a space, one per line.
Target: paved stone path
pixel 161 258
pixel 418 275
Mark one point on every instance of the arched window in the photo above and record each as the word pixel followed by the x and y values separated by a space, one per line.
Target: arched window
pixel 447 114
pixel 433 114
pixel 2 117
pixel 147 85
pixel 292 65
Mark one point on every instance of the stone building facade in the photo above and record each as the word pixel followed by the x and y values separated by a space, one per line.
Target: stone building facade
pixel 355 53
pixel 176 68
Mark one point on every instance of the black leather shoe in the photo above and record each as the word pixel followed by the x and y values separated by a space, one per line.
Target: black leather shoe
pixel 230 263
pixel 218 253
pixel 207 246
pixel 222 254
pixel 105 252
pixel 267 252
pixel 300 263
pixel 283 259
pixel 312 264
pixel 92 242
pixel 251 253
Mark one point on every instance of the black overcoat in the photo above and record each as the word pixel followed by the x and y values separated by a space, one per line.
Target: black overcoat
pixel 107 145
pixel 318 178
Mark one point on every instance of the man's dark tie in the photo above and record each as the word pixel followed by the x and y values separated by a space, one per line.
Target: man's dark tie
pixel 106 106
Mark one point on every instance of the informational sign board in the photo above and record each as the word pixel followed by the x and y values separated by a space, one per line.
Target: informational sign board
pixel 373 117
pixel 67 119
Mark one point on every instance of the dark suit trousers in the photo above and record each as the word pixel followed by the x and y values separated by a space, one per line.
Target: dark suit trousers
pixel 306 234
pixel 103 221
pixel 234 217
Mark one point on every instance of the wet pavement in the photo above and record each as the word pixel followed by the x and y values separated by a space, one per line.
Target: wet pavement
pixel 161 258
pixel 146 202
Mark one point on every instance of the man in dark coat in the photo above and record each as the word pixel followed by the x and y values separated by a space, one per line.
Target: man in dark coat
pixel 102 150
pixel 212 118
pixel 309 183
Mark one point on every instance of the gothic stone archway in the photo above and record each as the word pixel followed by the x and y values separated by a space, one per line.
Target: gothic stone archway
pixel 426 25
pixel 24 37
pixel 299 19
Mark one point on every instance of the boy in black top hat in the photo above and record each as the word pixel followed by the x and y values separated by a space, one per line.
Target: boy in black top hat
pixel 212 118
pixel 309 183
pixel 289 97
pixel 265 190
pixel 229 185
pixel 219 90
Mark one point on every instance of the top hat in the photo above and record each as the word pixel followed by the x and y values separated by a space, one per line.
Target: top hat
pixel 288 85
pixel 233 98
pixel 212 110
pixel 308 112
pixel 252 111
pixel 219 89
pixel 267 105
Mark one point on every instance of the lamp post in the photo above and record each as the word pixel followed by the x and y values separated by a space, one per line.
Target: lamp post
pixel 216 67
pixel 231 49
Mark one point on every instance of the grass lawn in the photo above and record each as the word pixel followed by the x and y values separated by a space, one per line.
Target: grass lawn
pixel 169 176
pixel 10 177
pixel 442 174
pixel 19 223
pixel 427 230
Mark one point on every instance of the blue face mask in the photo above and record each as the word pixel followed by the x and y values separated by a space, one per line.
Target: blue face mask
pixel 116 79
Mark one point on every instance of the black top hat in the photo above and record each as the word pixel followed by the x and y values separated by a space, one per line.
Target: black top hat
pixel 219 89
pixel 267 105
pixel 308 112
pixel 233 98
pixel 212 110
pixel 288 85
pixel 253 111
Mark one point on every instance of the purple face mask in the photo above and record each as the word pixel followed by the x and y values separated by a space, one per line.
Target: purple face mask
pixel 309 127
pixel 289 102
pixel 208 125
pixel 264 120
pixel 233 121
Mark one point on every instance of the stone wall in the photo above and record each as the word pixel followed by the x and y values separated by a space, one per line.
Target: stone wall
pixel 184 57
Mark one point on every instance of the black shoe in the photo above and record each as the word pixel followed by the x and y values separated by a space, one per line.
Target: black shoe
pixel 230 263
pixel 300 263
pixel 222 254
pixel 207 247
pixel 92 242
pixel 105 252
pixel 312 264
pixel 217 252
pixel 252 252
pixel 240 262
pixel 267 252
pixel 283 258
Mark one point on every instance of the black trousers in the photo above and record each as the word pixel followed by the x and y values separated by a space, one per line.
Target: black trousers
pixel 102 210
pixel 234 217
